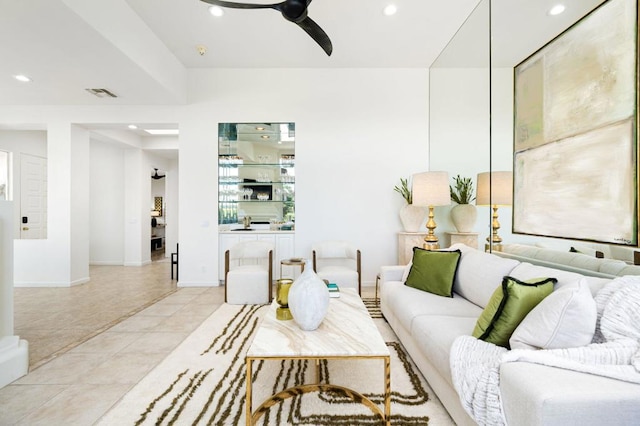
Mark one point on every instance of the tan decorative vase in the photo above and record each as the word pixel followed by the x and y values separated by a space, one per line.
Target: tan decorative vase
pixel 412 217
pixel 463 217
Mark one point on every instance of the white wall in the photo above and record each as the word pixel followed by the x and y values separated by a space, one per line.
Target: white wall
pixel 54 255
pixel 6 269
pixel 109 190
pixel 107 204
pixel 357 132
pixel 79 195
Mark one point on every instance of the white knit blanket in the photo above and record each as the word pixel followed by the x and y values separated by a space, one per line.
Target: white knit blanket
pixel 615 353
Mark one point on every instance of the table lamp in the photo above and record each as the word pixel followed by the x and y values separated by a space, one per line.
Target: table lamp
pixel 431 189
pixel 495 189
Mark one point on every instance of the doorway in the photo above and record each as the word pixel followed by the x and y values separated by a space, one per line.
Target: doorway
pixel 158 215
pixel 33 197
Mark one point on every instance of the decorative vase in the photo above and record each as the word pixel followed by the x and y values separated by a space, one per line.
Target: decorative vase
pixel 308 299
pixel 411 217
pixel 463 217
pixel 283 286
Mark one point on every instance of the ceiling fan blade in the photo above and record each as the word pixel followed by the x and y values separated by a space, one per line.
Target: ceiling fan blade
pixel 317 34
pixel 233 5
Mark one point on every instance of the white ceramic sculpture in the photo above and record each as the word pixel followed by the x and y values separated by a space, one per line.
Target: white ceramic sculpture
pixel 308 299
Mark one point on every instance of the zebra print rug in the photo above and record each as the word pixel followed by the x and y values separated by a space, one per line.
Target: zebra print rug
pixel 373 306
pixel 203 382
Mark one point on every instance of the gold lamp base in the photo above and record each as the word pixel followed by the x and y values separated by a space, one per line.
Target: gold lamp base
pixel 431 245
pixel 431 240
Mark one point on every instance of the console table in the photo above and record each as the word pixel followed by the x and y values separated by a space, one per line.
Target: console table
pixel 467 238
pixel 406 242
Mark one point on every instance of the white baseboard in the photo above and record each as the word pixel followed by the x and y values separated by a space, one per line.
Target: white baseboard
pixel 80 281
pixel 14 359
pixel 40 284
pixel 197 284
pixel 51 283
pixel 106 263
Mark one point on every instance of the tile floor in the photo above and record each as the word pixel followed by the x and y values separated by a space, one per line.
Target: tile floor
pixel 52 320
pixel 90 344
pixel 72 384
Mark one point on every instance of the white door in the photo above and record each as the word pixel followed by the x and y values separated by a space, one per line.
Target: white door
pixel 33 197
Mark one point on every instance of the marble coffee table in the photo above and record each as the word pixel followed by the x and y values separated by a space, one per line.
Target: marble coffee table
pixel 347 332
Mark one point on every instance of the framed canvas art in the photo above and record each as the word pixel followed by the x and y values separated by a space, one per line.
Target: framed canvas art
pixel 575 131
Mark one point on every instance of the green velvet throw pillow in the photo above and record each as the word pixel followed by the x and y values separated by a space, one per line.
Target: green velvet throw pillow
pixel 433 271
pixel 508 306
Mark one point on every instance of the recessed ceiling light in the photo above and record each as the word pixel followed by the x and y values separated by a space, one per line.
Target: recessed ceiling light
pixel 23 78
pixel 216 11
pixel 390 10
pixel 556 10
pixel 132 126
pixel 162 131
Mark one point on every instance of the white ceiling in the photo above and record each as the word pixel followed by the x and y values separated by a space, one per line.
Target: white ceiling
pixel 141 49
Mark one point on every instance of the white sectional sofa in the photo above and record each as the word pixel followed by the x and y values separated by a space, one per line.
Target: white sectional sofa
pixel 532 394
pixel 571 261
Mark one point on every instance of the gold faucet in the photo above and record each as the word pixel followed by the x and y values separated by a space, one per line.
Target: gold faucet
pixel 246 222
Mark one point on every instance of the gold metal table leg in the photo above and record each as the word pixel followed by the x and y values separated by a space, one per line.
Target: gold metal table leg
pixel 302 389
pixel 387 390
pixel 248 402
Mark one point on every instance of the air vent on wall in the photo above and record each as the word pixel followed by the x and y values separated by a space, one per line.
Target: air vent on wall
pixel 101 93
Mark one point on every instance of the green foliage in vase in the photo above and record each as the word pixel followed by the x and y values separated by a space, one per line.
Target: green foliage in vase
pixel 404 189
pixel 462 193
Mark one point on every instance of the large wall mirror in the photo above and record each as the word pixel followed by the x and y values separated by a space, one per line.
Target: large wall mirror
pixel 520 29
pixel 459 113
pixel 256 175
pixel 472 103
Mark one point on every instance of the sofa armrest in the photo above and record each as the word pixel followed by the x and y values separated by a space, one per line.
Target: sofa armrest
pixel 391 273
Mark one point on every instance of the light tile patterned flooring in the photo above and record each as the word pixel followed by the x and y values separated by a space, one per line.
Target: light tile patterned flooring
pixel 76 385
pixel 90 344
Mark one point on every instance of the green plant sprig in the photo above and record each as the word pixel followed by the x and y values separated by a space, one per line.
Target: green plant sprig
pixel 404 189
pixel 463 191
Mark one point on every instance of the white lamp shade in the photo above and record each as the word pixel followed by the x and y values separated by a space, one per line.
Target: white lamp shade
pixel 495 189
pixel 431 189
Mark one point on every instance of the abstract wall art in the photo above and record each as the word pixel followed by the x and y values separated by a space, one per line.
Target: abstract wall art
pixel 575 131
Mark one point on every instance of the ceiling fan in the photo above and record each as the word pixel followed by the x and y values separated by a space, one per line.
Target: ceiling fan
pixel 156 175
pixel 293 11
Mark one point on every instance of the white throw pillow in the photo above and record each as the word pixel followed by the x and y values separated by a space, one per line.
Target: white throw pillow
pixel 564 319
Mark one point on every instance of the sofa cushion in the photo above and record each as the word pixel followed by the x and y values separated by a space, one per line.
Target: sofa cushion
pixel 407 303
pixel 526 271
pixel 434 335
pixel 629 270
pixel 480 273
pixel 564 319
pixel 509 305
pixel 433 271
pixel 533 394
